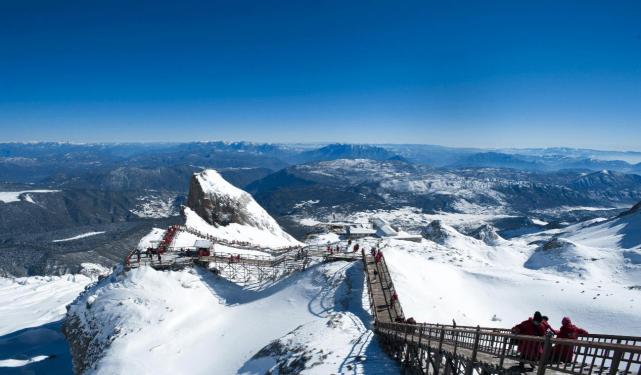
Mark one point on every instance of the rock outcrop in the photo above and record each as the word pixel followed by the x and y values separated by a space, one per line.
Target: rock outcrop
pixel 487 234
pixel 435 232
pixel 219 203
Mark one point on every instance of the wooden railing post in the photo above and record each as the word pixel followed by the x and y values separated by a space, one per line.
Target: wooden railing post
pixel 475 349
pixel 419 350
pixel 547 348
pixel 506 342
pixel 439 355
pixel 616 359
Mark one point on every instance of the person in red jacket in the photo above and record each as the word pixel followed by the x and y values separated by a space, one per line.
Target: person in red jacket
pixel 547 326
pixel 530 350
pixel 564 352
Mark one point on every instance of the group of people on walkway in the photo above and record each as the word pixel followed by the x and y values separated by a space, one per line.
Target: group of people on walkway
pixel 335 250
pixel 538 325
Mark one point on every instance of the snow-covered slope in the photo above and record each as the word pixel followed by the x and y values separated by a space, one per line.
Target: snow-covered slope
pixel 439 283
pixel 589 271
pixel 31 310
pixel 218 208
pixel 604 249
pixel 146 321
pixel 36 300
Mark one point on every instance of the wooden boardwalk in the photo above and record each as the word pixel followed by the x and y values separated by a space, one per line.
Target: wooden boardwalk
pixel 242 268
pixel 381 288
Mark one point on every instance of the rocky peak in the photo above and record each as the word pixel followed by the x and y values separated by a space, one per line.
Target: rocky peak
pixel 219 203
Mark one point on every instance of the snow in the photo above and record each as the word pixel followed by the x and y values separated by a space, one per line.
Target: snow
pixel 37 300
pixel 152 238
pixel 237 232
pixel 309 222
pixel 323 238
pixel 308 203
pixel 21 362
pixel 83 235
pixel 172 322
pixel 539 222
pixel 412 217
pixel 333 346
pixel 213 183
pixel 14 196
pixel 155 206
pixel 187 240
pixel 560 209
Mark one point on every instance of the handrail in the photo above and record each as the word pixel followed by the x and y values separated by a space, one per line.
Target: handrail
pixel 563 355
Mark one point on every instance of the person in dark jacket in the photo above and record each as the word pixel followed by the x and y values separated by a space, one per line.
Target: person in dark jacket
pixel 530 350
pixel 564 352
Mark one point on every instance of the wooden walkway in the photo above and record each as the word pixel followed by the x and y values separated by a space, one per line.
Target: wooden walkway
pixel 381 288
pixel 239 267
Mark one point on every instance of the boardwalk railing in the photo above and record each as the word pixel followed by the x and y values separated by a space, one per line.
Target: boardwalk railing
pixel 237 267
pixel 463 350
pixel 430 347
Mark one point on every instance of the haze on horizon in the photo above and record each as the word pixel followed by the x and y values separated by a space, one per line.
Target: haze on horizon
pixel 461 74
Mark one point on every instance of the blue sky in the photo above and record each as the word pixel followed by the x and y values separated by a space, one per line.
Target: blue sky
pixel 456 73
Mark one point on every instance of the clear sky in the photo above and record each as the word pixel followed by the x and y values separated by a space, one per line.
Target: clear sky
pixel 458 73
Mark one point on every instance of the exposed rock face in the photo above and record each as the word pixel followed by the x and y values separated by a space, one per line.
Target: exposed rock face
pixel 219 203
pixel 216 210
pixel 85 342
pixel 487 234
pixel 635 209
pixel 435 232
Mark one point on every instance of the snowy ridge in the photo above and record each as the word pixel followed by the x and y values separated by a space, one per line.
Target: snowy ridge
pixel 151 322
pixel 36 300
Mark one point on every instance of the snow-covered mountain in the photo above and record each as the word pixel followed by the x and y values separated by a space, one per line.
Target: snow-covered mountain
pixel 222 210
pixel 346 151
pixel 607 185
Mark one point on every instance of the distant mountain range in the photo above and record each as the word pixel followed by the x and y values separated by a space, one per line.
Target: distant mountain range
pixel 126 188
pixel 542 163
